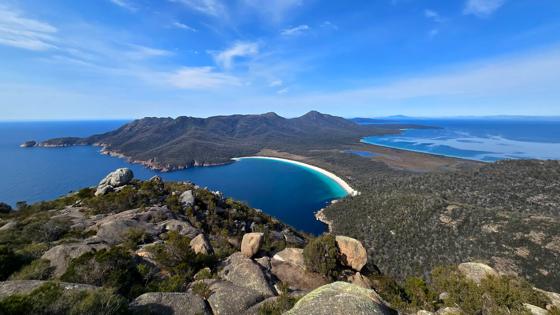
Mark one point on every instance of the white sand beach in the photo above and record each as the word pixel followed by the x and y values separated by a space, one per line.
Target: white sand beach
pixel 351 191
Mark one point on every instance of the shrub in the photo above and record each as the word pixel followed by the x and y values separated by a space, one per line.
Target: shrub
pixel 112 268
pixel 39 269
pixel 177 257
pixel 201 289
pixel 9 262
pixel 50 298
pixel 5 208
pixel 320 255
pixel 419 294
pixel 283 303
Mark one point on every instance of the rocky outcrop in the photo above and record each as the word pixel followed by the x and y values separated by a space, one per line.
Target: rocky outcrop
pixel 288 266
pixel 8 288
pixel 251 244
pixel 353 254
pixel 118 178
pixel 181 227
pixel 169 303
pixel 359 280
pixel 553 297
pixel 292 256
pixel 340 298
pixel 476 271
pixel 28 144
pixel 535 310
pixel 450 311
pixel 230 299
pixel 8 225
pixel 201 245
pixel 187 198
pixel 60 255
pixel 295 277
pixel 113 229
pixel 244 272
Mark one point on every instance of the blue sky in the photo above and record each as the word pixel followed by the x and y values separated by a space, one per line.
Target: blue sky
pixel 65 59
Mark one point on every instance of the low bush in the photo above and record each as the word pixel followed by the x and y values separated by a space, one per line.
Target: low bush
pixel 10 262
pixel 39 269
pixel 320 255
pixel 113 268
pixel 50 298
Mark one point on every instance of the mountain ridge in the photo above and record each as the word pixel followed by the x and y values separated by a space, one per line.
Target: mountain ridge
pixel 176 143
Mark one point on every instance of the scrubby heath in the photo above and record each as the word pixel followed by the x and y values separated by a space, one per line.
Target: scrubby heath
pixel 154 247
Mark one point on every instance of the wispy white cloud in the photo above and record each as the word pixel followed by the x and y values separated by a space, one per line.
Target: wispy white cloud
pixel 201 78
pixel 272 10
pixel 143 52
pixel 329 25
pixel 482 8
pixel 276 83
pixel 433 15
pixel 125 4
pixel 208 7
pixel 295 31
pixel 535 73
pixel 19 31
pixel 226 57
pixel 184 26
pixel 282 91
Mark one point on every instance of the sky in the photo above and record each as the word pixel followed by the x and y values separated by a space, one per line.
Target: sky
pixel 121 59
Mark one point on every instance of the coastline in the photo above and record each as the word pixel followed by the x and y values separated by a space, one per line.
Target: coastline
pixel 349 190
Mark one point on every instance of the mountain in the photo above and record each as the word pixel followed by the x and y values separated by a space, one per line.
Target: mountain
pixel 167 143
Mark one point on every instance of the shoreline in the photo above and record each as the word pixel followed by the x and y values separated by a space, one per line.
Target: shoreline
pixel 349 190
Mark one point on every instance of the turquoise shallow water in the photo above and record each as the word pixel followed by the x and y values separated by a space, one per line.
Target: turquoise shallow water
pixel 289 192
pixel 485 140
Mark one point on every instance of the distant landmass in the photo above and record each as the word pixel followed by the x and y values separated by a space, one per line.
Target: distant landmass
pixel 170 144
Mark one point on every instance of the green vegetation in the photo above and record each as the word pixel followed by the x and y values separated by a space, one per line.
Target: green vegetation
pixel 494 295
pixel 39 269
pixel 320 255
pixel 5 208
pixel 113 268
pixel 53 299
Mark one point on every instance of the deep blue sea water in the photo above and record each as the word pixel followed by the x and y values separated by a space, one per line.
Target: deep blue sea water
pixel 289 192
pixel 479 139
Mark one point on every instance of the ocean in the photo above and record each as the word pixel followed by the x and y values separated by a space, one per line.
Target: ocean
pixel 486 140
pixel 288 192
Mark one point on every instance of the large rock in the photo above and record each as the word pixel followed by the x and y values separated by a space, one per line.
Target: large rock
pixel 292 256
pixel 230 299
pixel 476 271
pixel 244 272
pixel 8 288
pixel 169 303
pixel 187 198
pixel 60 255
pixel 353 253
pixel 251 244
pixel 450 311
pixel 359 280
pixel 296 277
pixel 113 229
pixel 552 296
pixel 118 178
pixel 288 266
pixel 340 298
pixel 200 245
pixel 535 310
pixel 181 227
